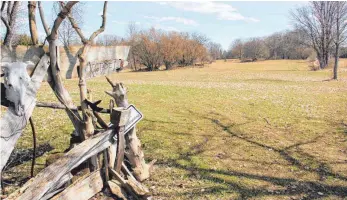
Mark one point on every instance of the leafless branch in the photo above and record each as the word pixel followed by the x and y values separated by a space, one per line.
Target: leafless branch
pixel 44 23
pixel 102 27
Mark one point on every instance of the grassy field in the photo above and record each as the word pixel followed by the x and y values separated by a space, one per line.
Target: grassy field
pixel 263 130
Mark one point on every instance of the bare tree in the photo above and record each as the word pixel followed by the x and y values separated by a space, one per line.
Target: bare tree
pixel 108 40
pixel 149 49
pixel 316 20
pixel 32 22
pixel 236 49
pixel 171 45
pixel 9 18
pixel 67 34
pixel 215 50
pixel 133 32
pixel 340 35
pixel 88 128
pixel 255 48
pixel 55 80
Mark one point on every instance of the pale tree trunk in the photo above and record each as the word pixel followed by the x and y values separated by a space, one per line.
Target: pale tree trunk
pixel 32 22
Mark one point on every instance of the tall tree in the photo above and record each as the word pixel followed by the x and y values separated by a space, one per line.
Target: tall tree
pixel 133 32
pixel 9 18
pixel 316 21
pixel 236 49
pixel 340 35
pixel 32 22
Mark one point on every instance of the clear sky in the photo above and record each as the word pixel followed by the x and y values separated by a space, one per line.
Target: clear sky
pixel 221 21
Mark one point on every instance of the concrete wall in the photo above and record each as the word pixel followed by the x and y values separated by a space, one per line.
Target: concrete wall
pixel 68 60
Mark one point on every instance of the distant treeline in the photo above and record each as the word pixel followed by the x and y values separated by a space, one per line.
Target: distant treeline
pixel 153 48
pixel 281 45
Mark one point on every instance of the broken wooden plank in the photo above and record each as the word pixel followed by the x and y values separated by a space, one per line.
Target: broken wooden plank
pixel 123 182
pixel 117 189
pixel 50 176
pixel 119 118
pixel 138 188
pixel 131 185
pixel 12 124
pixel 82 189
pixel 58 188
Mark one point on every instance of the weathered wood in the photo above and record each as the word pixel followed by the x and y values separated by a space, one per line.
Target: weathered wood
pixel 61 106
pixel 88 128
pixel 49 194
pixel 83 189
pixel 133 151
pixel 112 152
pixel 116 189
pixel 11 124
pixel 122 182
pixel 119 118
pixel 50 176
pixel 55 80
pixel 58 188
pixel 137 187
pixel 120 150
pixel 131 185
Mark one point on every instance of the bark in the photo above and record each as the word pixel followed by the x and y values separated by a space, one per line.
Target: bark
pixel 12 12
pixel 32 22
pixel 56 81
pixel 336 63
pixel 88 128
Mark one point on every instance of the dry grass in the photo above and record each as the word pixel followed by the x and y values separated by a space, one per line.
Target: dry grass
pixel 263 130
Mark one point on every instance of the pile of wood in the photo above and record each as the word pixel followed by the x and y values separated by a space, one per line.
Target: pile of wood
pixel 102 156
pixel 72 177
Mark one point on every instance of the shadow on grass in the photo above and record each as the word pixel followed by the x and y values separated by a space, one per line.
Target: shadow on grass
pixel 290 186
pixel 20 156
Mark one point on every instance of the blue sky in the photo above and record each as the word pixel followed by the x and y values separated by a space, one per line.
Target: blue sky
pixel 221 21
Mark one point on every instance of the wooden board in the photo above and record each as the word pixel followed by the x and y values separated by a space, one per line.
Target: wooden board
pixel 82 189
pixel 47 180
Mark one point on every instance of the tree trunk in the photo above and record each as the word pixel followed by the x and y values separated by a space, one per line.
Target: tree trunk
pixel 60 91
pixel 32 22
pixel 88 128
pixel 336 64
pixel 8 39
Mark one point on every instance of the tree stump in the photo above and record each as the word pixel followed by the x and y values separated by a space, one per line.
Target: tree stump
pixel 133 150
